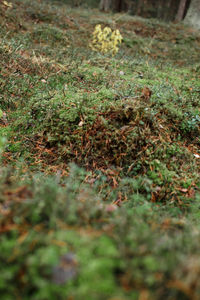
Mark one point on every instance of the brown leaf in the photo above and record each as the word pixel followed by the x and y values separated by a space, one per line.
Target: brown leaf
pixel 146 93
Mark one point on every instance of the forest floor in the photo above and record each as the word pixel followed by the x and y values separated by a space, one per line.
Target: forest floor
pixel 100 157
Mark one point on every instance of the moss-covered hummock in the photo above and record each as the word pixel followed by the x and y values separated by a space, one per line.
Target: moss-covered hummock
pixel 99 177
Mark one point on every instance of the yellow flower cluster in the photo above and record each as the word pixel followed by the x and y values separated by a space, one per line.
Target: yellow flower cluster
pixel 105 40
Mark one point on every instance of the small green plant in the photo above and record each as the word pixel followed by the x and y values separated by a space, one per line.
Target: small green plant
pixel 2 143
pixel 105 40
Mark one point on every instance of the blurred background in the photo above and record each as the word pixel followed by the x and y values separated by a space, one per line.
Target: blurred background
pixel 167 10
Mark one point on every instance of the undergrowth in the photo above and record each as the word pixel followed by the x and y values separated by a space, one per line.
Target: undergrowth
pixel 99 180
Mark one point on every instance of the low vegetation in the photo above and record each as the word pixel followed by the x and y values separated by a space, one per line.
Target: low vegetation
pixel 99 178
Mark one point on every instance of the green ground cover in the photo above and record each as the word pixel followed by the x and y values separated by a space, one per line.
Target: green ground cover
pixel 99 177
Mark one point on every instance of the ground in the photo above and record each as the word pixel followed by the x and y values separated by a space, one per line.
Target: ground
pixel 99 178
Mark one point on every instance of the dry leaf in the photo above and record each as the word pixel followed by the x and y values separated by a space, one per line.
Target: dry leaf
pixel 146 93
pixel 80 123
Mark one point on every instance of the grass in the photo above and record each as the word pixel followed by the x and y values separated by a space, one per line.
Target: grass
pixel 100 157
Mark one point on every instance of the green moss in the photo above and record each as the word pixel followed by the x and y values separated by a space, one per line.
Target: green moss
pixel 130 215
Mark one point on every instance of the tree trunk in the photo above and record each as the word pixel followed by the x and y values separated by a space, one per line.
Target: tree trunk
pixel 181 10
pixel 140 5
pixel 105 5
pixel 193 15
pixel 120 5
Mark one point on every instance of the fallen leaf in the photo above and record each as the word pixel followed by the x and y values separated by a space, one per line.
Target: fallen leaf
pixel 146 93
pixel 80 123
